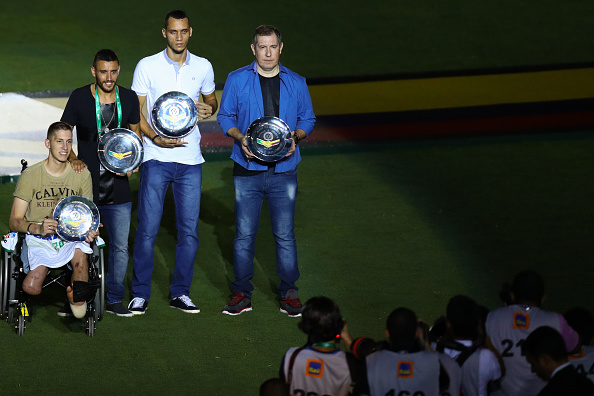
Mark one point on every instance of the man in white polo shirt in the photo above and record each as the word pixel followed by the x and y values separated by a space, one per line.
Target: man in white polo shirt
pixel 170 161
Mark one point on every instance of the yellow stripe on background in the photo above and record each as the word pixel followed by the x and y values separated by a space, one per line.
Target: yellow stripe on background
pixel 451 92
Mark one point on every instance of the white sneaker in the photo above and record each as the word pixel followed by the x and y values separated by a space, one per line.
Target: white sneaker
pixel 184 303
pixel 138 305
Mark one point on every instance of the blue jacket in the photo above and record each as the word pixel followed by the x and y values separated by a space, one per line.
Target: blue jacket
pixel 242 103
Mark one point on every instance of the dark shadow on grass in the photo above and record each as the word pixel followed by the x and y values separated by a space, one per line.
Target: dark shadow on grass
pixel 216 210
pixel 167 232
pixel 44 308
pixel 499 203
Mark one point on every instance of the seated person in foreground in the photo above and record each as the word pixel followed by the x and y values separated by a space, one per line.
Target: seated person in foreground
pixel 39 189
pixel 508 327
pixel 320 367
pixel 545 351
pixel 403 365
pixel 462 342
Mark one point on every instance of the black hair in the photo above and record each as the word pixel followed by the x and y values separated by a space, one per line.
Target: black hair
pixel 462 313
pixel 321 320
pixel 274 387
pixel 176 14
pixel 266 30
pixel 528 287
pixel 545 341
pixel 582 321
pixel 402 326
pixel 105 55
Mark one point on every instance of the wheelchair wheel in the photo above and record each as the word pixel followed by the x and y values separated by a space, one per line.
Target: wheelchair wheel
pixel 4 283
pixel 90 324
pixel 22 315
pixel 99 276
pixel 20 326
pixel 11 281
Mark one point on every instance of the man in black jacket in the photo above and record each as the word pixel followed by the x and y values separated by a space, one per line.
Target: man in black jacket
pixel 545 351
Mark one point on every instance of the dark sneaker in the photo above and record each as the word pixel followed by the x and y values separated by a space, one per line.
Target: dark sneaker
pixel 239 303
pixel 291 304
pixel 184 303
pixel 118 309
pixel 65 311
pixel 137 306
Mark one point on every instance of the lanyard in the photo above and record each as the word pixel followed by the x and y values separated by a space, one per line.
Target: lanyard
pixel 329 345
pixel 98 109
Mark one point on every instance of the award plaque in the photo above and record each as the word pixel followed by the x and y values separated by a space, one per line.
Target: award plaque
pixel 76 216
pixel 120 150
pixel 269 139
pixel 174 114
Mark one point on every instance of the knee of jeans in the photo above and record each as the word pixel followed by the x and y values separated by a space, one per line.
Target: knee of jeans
pixel 247 234
pixel 285 238
pixel 146 232
pixel 121 249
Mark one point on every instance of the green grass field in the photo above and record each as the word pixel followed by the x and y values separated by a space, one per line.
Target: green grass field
pixel 385 224
pixel 379 226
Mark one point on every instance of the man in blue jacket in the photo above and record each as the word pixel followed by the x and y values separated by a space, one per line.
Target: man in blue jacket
pixel 265 88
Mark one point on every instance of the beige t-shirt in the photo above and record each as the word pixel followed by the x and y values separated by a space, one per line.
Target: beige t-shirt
pixel 43 191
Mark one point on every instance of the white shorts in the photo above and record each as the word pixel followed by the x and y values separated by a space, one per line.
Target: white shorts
pixel 52 252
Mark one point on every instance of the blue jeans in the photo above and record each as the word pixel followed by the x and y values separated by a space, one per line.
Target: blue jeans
pixel 280 190
pixel 186 182
pixel 116 219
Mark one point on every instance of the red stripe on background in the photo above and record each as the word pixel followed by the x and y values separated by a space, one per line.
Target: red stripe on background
pixel 437 128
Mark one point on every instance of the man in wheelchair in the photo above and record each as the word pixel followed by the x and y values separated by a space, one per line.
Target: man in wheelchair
pixel 39 189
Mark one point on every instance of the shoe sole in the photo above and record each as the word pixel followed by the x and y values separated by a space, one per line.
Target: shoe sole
pixel 62 315
pixel 138 312
pixel 128 315
pixel 246 309
pixel 290 315
pixel 192 311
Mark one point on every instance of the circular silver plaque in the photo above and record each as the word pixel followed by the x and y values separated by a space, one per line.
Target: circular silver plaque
pixel 174 114
pixel 269 139
pixel 120 150
pixel 76 216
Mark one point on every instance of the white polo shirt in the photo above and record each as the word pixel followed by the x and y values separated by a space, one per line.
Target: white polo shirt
pixel 156 75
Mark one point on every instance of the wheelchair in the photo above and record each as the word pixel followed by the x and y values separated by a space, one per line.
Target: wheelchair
pixel 13 300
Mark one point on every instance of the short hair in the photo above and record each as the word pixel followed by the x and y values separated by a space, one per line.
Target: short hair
pixel 528 287
pixel 176 14
pixel 321 320
pixel 545 341
pixel 402 326
pixel 582 321
pixel 105 55
pixel 462 313
pixel 266 30
pixel 57 126
pixel 274 387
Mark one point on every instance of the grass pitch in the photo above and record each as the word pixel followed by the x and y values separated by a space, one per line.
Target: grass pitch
pixel 406 223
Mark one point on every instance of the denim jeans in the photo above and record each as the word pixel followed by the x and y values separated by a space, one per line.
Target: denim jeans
pixel 116 220
pixel 280 190
pixel 186 182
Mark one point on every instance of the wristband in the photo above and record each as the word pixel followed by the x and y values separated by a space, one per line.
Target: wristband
pixel 296 138
pixel 154 137
pixel 29 226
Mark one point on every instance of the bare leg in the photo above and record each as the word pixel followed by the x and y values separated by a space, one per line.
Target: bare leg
pixel 33 282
